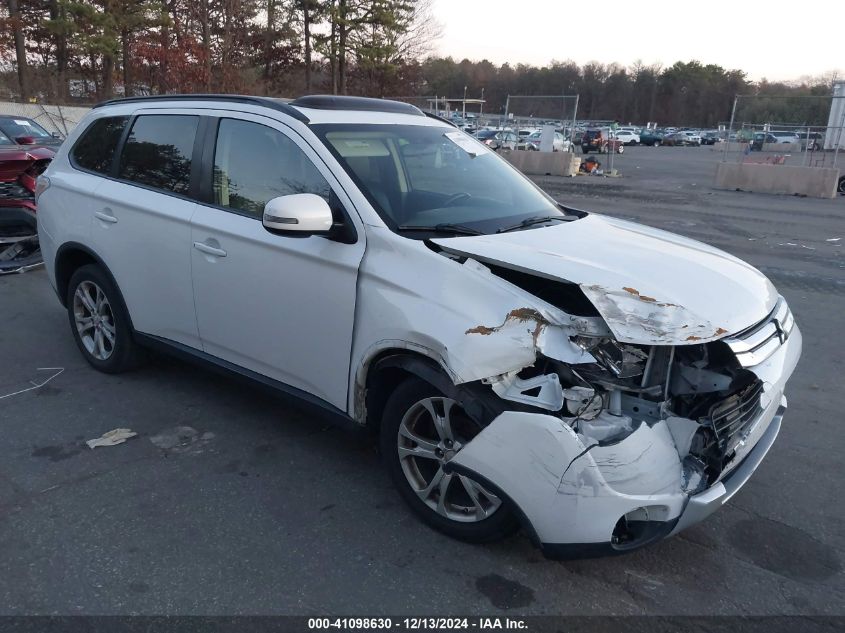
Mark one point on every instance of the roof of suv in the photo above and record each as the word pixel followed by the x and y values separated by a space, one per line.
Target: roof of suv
pixel 308 109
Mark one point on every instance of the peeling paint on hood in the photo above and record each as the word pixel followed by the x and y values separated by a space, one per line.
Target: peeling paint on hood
pixel 650 286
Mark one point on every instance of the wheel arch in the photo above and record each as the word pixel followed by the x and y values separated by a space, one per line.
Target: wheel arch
pixel 386 369
pixel 70 257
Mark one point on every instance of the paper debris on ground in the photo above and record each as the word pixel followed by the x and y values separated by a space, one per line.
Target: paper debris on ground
pixel 110 438
pixel 833 239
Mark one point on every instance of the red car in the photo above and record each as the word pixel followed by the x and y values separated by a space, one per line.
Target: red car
pixel 19 167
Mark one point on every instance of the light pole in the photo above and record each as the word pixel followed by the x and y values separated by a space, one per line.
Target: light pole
pixel 481 106
pixel 465 104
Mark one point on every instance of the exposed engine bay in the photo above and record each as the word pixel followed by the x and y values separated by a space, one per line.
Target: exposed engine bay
pixel 706 398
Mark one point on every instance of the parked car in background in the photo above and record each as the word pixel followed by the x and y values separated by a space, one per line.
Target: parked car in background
pixel 19 169
pixel 710 137
pixel 532 142
pixel 651 137
pixel 19 130
pixel 814 141
pixel 498 139
pixel 577 136
pixel 693 136
pixel 785 137
pixel 599 140
pixel 679 139
pixel 772 138
pixel 627 137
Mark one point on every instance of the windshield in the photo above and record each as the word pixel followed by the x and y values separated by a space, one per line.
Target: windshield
pixel 430 176
pixel 22 127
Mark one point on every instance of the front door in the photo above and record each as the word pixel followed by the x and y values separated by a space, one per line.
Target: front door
pixel 281 306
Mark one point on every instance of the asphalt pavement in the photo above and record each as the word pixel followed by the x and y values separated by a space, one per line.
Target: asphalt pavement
pixel 230 501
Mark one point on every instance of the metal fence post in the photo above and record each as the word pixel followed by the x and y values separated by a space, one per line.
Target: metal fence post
pixel 730 129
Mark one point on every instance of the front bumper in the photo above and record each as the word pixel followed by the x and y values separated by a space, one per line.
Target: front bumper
pixel 573 493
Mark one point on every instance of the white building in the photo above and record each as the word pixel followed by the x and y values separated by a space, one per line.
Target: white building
pixel 835 134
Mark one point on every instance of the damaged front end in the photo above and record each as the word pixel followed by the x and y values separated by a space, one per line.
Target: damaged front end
pixel 19 169
pixel 609 443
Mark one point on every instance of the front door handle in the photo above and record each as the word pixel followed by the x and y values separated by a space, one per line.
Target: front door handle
pixel 105 217
pixel 209 250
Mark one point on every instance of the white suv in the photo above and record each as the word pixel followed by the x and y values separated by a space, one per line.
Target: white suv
pixel 601 383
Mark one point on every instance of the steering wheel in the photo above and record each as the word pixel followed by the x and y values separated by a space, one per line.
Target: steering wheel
pixel 455 197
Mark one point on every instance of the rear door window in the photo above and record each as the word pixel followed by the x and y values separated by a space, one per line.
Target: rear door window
pixel 158 152
pixel 95 149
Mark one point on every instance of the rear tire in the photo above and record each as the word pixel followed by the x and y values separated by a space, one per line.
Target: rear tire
pixel 420 431
pixel 100 322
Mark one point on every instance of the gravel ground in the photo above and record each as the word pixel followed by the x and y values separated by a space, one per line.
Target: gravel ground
pixel 256 507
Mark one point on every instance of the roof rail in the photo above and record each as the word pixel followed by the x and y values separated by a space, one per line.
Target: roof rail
pixel 343 102
pixel 431 115
pixel 267 102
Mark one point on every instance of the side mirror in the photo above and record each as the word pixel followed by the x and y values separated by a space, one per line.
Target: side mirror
pixel 301 213
pixel 56 135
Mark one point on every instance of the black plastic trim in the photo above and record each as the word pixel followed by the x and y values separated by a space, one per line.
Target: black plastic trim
pixel 275 387
pixel 655 531
pixel 363 104
pixel 266 102
pixel 431 115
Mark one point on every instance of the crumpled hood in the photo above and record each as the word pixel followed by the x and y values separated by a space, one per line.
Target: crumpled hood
pixel 650 286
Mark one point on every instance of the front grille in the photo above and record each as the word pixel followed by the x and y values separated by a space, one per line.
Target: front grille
pixel 732 417
pixel 757 343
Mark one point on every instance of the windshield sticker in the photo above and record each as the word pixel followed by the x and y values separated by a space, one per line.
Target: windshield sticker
pixel 466 143
pixel 22 122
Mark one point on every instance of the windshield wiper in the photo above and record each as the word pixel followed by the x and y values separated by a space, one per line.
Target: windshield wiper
pixel 532 221
pixel 443 227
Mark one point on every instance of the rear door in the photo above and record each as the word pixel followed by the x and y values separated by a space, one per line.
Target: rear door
pixel 278 305
pixel 141 222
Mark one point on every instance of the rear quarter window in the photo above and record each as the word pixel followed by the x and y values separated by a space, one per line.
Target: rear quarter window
pixel 95 149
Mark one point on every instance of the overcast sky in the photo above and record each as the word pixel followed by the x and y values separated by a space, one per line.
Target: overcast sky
pixel 765 38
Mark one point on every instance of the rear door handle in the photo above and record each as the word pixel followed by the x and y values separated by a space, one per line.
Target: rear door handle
pixel 209 250
pixel 105 217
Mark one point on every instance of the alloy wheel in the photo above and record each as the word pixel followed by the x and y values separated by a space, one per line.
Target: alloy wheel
pixel 94 320
pixel 432 431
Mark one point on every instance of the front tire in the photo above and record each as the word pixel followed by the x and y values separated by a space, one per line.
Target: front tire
pixel 420 432
pixel 100 322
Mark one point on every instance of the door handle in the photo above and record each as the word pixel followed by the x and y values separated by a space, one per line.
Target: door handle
pixel 209 250
pixel 105 217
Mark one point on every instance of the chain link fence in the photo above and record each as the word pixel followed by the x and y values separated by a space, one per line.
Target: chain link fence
pixel 759 131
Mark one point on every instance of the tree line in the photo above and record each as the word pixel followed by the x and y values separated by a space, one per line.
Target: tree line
pixel 65 51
